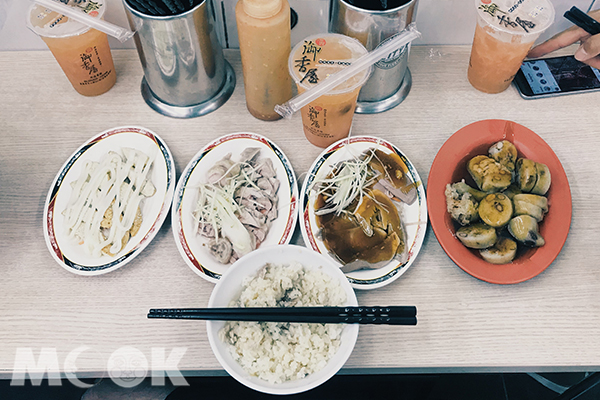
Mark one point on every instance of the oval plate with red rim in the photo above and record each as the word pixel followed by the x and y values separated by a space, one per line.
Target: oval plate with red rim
pixel 450 166
pixel 65 250
pixel 414 216
pixel 192 246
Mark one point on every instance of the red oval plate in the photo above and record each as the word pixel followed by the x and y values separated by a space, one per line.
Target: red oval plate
pixel 450 165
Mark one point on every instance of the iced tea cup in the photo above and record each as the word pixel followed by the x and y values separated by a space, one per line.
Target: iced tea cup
pixel 328 118
pixel 505 32
pixel 82 52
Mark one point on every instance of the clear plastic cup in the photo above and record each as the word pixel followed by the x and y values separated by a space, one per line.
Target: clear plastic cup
pixel 82 52
pixel 506 30
pixel 328 118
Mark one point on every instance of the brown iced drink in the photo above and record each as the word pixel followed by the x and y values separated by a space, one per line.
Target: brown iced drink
pixel 328 118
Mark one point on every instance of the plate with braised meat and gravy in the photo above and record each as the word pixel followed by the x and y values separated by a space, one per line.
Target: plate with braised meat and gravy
pixel 363 204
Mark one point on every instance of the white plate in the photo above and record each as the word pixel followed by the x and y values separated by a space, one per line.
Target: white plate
pixel 192 246
pixel 65 250
pixel 414 216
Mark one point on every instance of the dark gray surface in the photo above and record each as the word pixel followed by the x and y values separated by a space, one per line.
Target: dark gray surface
pixel 347 387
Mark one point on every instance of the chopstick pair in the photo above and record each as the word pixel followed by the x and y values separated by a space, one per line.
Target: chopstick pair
pixel 393 315
pixel 163 7
pixel 582 20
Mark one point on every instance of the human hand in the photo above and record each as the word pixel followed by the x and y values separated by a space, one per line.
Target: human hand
pixel 588 52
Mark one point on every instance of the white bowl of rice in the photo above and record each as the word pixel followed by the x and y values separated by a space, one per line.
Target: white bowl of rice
pixel 282 358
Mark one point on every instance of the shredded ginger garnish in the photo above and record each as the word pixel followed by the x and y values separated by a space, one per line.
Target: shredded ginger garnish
pixel 237 205
pixel 105 200
pixel 217 206
pixel 349 180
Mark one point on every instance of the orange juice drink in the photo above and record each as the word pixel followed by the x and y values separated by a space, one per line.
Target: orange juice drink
pixel 328 118
pixel 264 36
pixel 506 30
pixel 83 53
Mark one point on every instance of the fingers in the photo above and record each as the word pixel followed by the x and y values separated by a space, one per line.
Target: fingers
pixel 588 52
pixel 566 38
pixel 595 14
pixel 558 41
pixel 588 49
pixel 594 62
pixel 584 57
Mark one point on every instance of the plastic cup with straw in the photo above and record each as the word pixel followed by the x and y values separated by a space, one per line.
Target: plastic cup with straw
pixel 78 40
pixel 122 34
pixel 287 109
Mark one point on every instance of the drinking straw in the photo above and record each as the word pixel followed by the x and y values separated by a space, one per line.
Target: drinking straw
pixel 72 12
pixel 289 108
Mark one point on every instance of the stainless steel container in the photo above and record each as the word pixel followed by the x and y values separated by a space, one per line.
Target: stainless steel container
pixel 185 74
pixel 390 82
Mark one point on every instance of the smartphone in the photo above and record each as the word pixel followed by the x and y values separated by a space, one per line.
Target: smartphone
pixel 555 76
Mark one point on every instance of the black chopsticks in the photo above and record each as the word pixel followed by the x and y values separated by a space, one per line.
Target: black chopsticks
pixel 582 20
pixel 163 8
pixel 393 315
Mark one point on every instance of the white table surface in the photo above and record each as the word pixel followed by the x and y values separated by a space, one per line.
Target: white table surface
pixel 549 323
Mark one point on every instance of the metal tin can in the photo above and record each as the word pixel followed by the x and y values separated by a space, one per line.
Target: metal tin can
pixel 185 73
pixel 372 23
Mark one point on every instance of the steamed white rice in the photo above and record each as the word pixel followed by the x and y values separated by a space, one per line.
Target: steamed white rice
pixel 279 352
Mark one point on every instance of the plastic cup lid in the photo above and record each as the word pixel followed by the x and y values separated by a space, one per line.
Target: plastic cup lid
pixel 48 23
pixel 318 56
pixel 517 17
